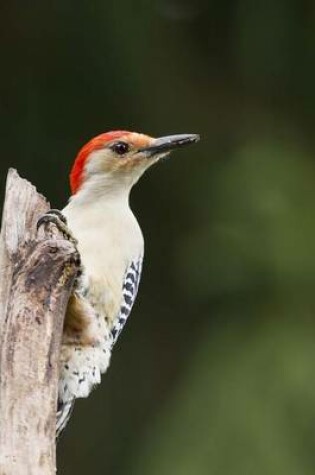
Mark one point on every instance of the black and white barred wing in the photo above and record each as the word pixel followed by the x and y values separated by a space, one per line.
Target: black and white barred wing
pixel 130 290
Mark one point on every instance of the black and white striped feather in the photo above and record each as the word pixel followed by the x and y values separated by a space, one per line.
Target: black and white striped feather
pixel 129 293
pixel 130 290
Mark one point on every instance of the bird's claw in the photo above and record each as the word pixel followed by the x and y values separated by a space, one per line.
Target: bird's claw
pixel 57 212
pixel 54 216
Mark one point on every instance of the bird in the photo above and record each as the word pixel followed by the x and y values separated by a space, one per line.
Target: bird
pixel 110 243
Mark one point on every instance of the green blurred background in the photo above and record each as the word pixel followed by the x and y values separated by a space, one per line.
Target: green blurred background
pixel 214 373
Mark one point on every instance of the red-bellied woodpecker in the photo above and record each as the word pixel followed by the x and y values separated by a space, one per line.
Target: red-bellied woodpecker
pixel 111 246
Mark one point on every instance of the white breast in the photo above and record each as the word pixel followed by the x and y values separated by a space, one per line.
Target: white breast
pixel 109 239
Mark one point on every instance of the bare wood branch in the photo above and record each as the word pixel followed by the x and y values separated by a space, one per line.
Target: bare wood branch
pixel 37 272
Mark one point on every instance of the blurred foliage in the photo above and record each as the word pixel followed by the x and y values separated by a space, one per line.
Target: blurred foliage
pixel 248 417
pixel 214 372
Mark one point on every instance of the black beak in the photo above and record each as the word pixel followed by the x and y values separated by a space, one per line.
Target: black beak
pixel 166 144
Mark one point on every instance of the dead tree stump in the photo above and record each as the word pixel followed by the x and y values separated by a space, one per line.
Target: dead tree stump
pixel 37 272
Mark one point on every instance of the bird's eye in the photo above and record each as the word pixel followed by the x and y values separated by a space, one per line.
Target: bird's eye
pixel 120 148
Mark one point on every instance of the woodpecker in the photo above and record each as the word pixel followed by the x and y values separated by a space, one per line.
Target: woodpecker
pixel 111 247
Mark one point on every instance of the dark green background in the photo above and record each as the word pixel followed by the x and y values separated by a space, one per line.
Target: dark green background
pixel 214 373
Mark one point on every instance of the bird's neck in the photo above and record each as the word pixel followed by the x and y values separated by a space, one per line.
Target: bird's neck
pixel 106 191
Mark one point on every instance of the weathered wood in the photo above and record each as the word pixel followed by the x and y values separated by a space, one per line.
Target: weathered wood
pixel 37 272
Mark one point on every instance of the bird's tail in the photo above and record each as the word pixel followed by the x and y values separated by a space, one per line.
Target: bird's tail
pixel 64 411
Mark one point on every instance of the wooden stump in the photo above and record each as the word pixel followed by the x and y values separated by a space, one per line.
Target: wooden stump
pixel 37 272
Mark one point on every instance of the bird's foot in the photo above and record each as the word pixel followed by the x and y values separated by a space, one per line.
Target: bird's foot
pixel 54 216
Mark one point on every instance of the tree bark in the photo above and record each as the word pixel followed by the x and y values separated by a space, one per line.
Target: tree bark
pixel 37 272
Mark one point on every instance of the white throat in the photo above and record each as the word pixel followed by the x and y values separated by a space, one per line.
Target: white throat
pixel 105 189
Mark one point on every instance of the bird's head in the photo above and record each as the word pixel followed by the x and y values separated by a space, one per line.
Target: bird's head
pixel 117 159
